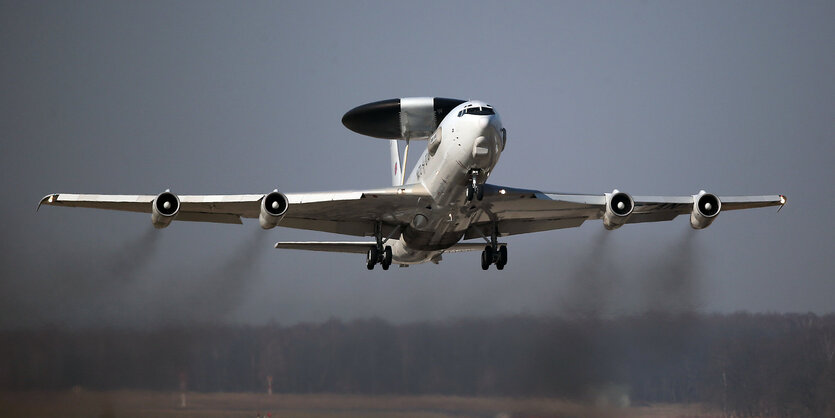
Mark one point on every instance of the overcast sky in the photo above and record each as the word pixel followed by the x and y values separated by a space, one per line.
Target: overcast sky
pixel 659 98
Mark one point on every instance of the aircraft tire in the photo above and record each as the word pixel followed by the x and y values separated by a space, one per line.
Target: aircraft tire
pixel 480 193
pixel 371 258
pixel 386 257
pixel 502 256
pixel 485 263
pixel 470 193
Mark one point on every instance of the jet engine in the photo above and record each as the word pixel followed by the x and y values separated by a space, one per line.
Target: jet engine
pixel 619 207
pixel 273 207
pixel 164 208
pixel 705 208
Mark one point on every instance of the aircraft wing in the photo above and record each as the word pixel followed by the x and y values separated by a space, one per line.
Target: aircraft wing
pixel 342 212
pixel 208 208
pixel 518 211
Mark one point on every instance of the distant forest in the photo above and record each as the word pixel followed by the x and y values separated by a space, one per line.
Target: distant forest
pixel 745 364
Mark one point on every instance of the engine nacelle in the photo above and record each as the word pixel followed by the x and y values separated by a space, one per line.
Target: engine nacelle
pixel 273 207
pixel 619 207
pixel 705 208
pixel 164 208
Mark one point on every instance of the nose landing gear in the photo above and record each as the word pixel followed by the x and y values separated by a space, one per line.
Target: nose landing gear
pixel 474 189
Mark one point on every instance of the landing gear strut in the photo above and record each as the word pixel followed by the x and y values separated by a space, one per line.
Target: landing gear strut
pixel 473 189
pixel 378 253
pixel 494 253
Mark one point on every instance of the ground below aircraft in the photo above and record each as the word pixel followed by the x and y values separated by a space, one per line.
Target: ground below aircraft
pixel 445 199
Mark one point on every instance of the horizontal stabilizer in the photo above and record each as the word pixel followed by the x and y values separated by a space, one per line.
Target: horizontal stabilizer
pixel 331 247
pixel 362 247
pixel 469 246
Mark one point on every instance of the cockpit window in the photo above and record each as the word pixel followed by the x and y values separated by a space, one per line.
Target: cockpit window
pixel 477 110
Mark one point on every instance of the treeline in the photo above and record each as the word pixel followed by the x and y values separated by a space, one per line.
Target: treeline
pixel 763 364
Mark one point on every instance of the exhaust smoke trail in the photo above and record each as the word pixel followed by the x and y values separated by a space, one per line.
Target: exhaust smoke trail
pixel 591 280
pixel 89 286
pixel 221 290
pixel 671 283
pixel 664 281
pixel 131 258
pixel 663 278
pixel 119 265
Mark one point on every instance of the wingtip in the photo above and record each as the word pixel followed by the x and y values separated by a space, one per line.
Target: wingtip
pixel 783 201
pixel 46 199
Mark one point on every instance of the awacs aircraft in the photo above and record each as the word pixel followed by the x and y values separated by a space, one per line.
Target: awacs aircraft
pixel 443 201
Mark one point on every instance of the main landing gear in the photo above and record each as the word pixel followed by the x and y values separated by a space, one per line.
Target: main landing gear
pixel 378 253
pixel 494 253
pixel 474 189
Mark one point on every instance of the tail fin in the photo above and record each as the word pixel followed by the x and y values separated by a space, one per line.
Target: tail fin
pixel 396 167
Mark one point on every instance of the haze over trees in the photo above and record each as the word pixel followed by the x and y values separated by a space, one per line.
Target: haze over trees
pixel 745 364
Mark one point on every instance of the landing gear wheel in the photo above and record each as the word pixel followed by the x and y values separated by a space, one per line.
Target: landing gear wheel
pixel 480 193
pixel 494 253
pixel 386 262
pixel 470 193
pixel 502 261
pixel 372 257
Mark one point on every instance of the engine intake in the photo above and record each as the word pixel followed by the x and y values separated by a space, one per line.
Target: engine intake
pixel 619 207
pixel 705 208
pixel 164 208
pixel 273 207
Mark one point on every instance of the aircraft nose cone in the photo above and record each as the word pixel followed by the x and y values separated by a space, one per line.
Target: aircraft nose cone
pixel 487 127
pixel 483 122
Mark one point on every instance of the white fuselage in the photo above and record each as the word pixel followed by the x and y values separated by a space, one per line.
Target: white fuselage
pixel 467 142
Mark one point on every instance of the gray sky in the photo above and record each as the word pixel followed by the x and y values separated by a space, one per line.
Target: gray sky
pixel 231 97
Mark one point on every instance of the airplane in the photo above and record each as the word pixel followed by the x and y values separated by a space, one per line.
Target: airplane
pixel 444 201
